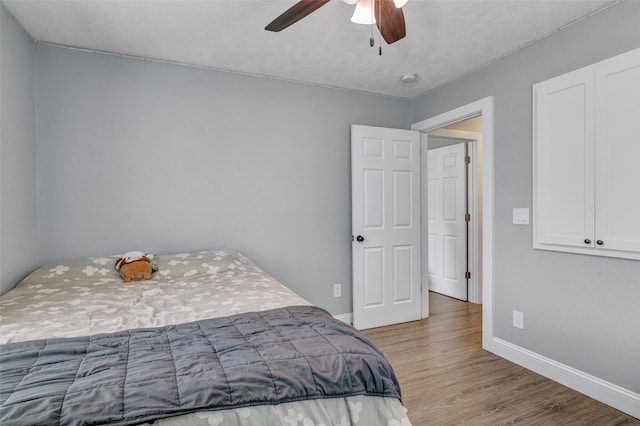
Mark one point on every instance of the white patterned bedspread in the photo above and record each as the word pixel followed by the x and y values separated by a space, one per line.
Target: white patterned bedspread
pixel 87 296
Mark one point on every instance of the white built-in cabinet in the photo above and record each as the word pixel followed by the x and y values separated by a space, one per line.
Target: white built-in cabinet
pixel 586 159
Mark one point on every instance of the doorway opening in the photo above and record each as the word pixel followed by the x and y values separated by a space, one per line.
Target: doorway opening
pixel 456 118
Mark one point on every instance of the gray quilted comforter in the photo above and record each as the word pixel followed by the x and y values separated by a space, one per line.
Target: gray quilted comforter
pixel 134 376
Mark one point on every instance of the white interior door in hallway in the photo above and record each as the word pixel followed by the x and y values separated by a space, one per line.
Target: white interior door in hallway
pixel 447 223
pixel 386 247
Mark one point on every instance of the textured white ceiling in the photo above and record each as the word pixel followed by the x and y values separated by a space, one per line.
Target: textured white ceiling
pixel 445 38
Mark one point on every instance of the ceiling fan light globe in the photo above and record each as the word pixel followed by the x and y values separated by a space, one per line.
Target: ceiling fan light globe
pixel 352 2
pixel 400 3
pixel 364 13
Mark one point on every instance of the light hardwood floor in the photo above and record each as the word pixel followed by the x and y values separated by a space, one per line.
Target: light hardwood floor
pixel 448 379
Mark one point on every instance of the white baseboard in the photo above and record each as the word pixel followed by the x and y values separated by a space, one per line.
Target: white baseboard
pixel 348 318
pixel 601 390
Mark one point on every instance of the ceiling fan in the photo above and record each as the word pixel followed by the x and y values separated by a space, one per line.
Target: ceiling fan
pixel 386 14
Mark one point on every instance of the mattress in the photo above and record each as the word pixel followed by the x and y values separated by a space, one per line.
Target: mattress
pixel 86 297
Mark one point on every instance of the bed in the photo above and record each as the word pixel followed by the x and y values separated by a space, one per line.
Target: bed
pixel 79 346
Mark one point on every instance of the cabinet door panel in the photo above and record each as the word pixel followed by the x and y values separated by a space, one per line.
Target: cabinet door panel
pixel 563 160
pixel 617 117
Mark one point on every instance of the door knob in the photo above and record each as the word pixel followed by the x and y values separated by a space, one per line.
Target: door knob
pixel 587 241
pixel 359 238
pixel 599 242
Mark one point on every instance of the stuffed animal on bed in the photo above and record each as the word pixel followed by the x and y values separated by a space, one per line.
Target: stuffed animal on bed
pixel 135 265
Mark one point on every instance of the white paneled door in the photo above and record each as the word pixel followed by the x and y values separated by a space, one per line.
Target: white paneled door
pixel 447 240
pixel 385 173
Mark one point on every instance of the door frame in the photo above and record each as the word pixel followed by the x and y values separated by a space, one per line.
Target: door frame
pixel 483 107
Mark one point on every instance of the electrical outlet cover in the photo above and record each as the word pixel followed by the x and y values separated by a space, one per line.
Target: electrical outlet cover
pixel 518 319
pixel 337 290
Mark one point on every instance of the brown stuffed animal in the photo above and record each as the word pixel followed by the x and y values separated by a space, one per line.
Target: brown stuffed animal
pixel 135 265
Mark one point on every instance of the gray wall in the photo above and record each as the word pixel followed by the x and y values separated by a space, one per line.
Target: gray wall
pixel 582 311
pixel 134 154
pixel 18 254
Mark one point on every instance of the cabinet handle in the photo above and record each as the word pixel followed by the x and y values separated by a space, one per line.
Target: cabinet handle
pixel 600 242
pixel 587 241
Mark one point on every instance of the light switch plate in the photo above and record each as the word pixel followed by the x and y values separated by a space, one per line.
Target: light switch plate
pixel 520 216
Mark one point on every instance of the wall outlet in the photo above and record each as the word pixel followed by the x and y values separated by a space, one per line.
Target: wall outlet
pixel 518 320
pixel 337 290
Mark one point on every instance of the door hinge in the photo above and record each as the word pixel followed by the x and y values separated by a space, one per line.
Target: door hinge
pixel 467 217
pixel 467 159
pixel 467 275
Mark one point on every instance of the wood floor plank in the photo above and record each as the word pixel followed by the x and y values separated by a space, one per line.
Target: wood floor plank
pixel 448 379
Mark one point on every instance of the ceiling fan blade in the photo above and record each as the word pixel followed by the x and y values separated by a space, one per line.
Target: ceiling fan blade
pixel 294 14
pixel 390 21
